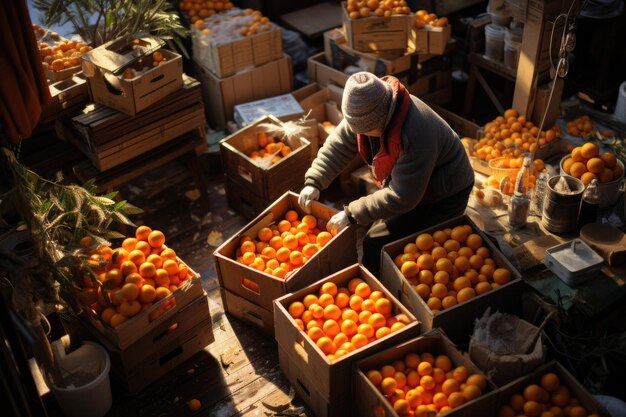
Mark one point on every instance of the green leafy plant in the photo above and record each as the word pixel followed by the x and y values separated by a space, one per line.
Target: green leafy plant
pixel 99 21
pixel 64 224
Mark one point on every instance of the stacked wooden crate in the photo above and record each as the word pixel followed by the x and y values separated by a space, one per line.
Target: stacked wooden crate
pixel 237 68
pixel 110 138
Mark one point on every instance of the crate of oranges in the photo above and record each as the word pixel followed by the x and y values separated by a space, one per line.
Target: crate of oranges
pixel 230 42
pixel 264 162
pixel 60 57
pixel 422 377
pixel 550 390
pixel 448 275
pixel 323 329
pixel 282 250
pixel 377 25
pixel 432 33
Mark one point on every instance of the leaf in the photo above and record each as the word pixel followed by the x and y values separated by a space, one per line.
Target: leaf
pixel 112 234
pixel 111 195
pixel 119 205
pixel 59 176
pixel 102 200
pixel 122 219
pixel 108 19
pixel 131 209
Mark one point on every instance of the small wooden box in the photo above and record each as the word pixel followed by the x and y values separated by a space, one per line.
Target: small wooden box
pixel 243 200
pixel 247 311
pixel 140 325
pixel 371 400
pixel 105 64
pixel 374 34
pixel 320 382
pixel 337 254
pixel 227 57
pixel 265 182
pixel 576 390
pixel 456 321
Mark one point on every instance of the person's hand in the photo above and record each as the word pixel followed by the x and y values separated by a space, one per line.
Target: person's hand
pixel 308 194
pixel 338 222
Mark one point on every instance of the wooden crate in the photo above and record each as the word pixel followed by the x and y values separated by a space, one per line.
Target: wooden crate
pixel 104 66
pixel 374 34
pixel 316 378
pixel 371 400
pixel 576 390
pixel 140 325
pixel 66 95
pixel 247 311
pixel 227 57
pixel 271 182
pixel 110 138
pixel 241 199
pixel 163 348
pixel 337 254
pixel 456 321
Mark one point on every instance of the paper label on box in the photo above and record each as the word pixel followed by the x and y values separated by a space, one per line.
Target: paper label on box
pixel 279 106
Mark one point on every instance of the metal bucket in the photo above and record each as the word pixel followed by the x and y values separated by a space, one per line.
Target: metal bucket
pixel 560 211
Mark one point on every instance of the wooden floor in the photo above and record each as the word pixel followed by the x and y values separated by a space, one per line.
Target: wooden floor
pixel 237 373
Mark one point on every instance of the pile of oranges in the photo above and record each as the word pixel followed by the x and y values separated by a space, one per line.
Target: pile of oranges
pixel 342 319
pixel 450 266
pixel 582 126
pixel 270 146
pixel 133 277
pixel 285 246
pixel 64 54
pixel 548 398
pixel 248 23
pixel 423 18
pixel 157 59
pixel 425 384
pixel 376 8
pixel 512 135
pixel 586 164
pixel 199 9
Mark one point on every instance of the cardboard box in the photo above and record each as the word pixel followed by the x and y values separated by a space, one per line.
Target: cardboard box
pixel 284 107
pixel 438 39
pixel 576 390
pixel 462 126
pixel 363 182
pixel 456 321
pixel 337 254
pixel 67 94
pixel 242 199
pixel 105 65
pixel 222 94
pixel 436 343
pixel 248 312
pixel 324 385
pixel 265 182
pixel 320 71
pixel 373 34
pixel 225 57
pixel 129 332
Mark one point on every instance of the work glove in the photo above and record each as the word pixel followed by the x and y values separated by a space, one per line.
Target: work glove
pixel 338 222
pixel 308 194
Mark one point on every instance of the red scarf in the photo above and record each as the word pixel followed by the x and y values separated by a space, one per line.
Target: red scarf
pixel 383 162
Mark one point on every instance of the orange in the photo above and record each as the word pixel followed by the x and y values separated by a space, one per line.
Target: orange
pixel 377 321
pixel 423 290
pixel 577 411
pixel 388 385
pixel 326 345
pixel 532 408
pixel 442 277
pixel 424 241
pixel 359 340
pixel 107 314
pixel 589 150
pixel 460 373
pixel 449 301
pixel 434 303
pixel 290 215
pixel 147 294
pixel 117 319
pixel 290 242
pixel 366 330
pixel 560 397
pixel 193 404
pixel 506 411
pixel 142 233
pixel 438 253
pixel 425 368
pixel 465 294
pixel 147 270
pixel 595 165
pixel 400 377
pixel 162 293
pixel 482 287
pixel 439 291
pixel 459 233
pixel 171 267
pixel 137 257
pixel 478 380
pixel 577 169
pixel 461 264
pixel 388 371
pixel 461 283
pixel 315 333
pixel 331 312
pixel 425 277
pixel 425 261
pixel 353 283
pixel 329 288
pixel 587 177
pixel 449 386
pixel 128 267
pixel 331 328
pixel 412 360
pixel 134 278
pixel 156 238
pixel 296 309
pixel 383 306
pixel 427 382
pixel 455 400
pixel 168 253
pixel 440 236
pixel 130 308
pixel 402 407
pixel 451 245
pixel 533 392
pixel 296 258
pixel 363 290
pixel 155 260
pixel 550 382
pixel 517 402
pixel 325 300
pixel 349 327
pixel 618 171
pixel 471 392
pixel 374 376
pixel 114 275
pixel 567 164
pixel 610 161
pixel 323 238
pixel 443 362
pixel 501 276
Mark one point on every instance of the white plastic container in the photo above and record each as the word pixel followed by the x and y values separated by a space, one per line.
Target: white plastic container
pixel 512 46
pixel 573 262
pixel 494 42
pixel 500 17
pixel 93 398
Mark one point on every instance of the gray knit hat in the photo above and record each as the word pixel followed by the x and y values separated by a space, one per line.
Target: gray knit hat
pixel 366 102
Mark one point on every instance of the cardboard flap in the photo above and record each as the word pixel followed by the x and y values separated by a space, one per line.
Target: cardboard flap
pixel 117 54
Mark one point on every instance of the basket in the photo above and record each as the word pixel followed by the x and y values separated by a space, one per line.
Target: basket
pixel 499 169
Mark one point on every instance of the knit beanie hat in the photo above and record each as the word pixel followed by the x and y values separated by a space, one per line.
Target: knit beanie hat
pixel 366 102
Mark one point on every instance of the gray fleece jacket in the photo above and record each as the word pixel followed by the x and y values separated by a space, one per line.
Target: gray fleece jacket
pixel 432 165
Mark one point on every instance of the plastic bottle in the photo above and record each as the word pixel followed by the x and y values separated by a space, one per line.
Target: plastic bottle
pixel 590 204
pixel 520 203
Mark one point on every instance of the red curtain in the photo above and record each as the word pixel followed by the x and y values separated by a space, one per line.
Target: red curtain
pixel 23 86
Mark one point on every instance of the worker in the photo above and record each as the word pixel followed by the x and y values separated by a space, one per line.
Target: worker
pixel 416 159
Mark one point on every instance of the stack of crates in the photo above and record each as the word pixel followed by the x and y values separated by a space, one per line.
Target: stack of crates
pixel 236 64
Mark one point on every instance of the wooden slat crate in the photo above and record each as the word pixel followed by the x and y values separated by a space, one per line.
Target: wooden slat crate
pixel 271 182
pixel 243 200
pixel 110 138
pixel 457 321
pixel 322 384
pixel 371 400
pixel 140 325
pixel 337 254
pixel 247 311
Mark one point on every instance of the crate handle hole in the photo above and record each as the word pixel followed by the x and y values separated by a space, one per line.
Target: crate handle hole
pixel 244 173
pixel 112 84
pixel 157 78
pixel 299 349
pixel 250 286
pixel 171 355
pixel 254 317
pixel 303 387
pixel 165 332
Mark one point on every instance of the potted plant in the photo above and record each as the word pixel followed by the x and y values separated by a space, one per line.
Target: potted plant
pixel 53 237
